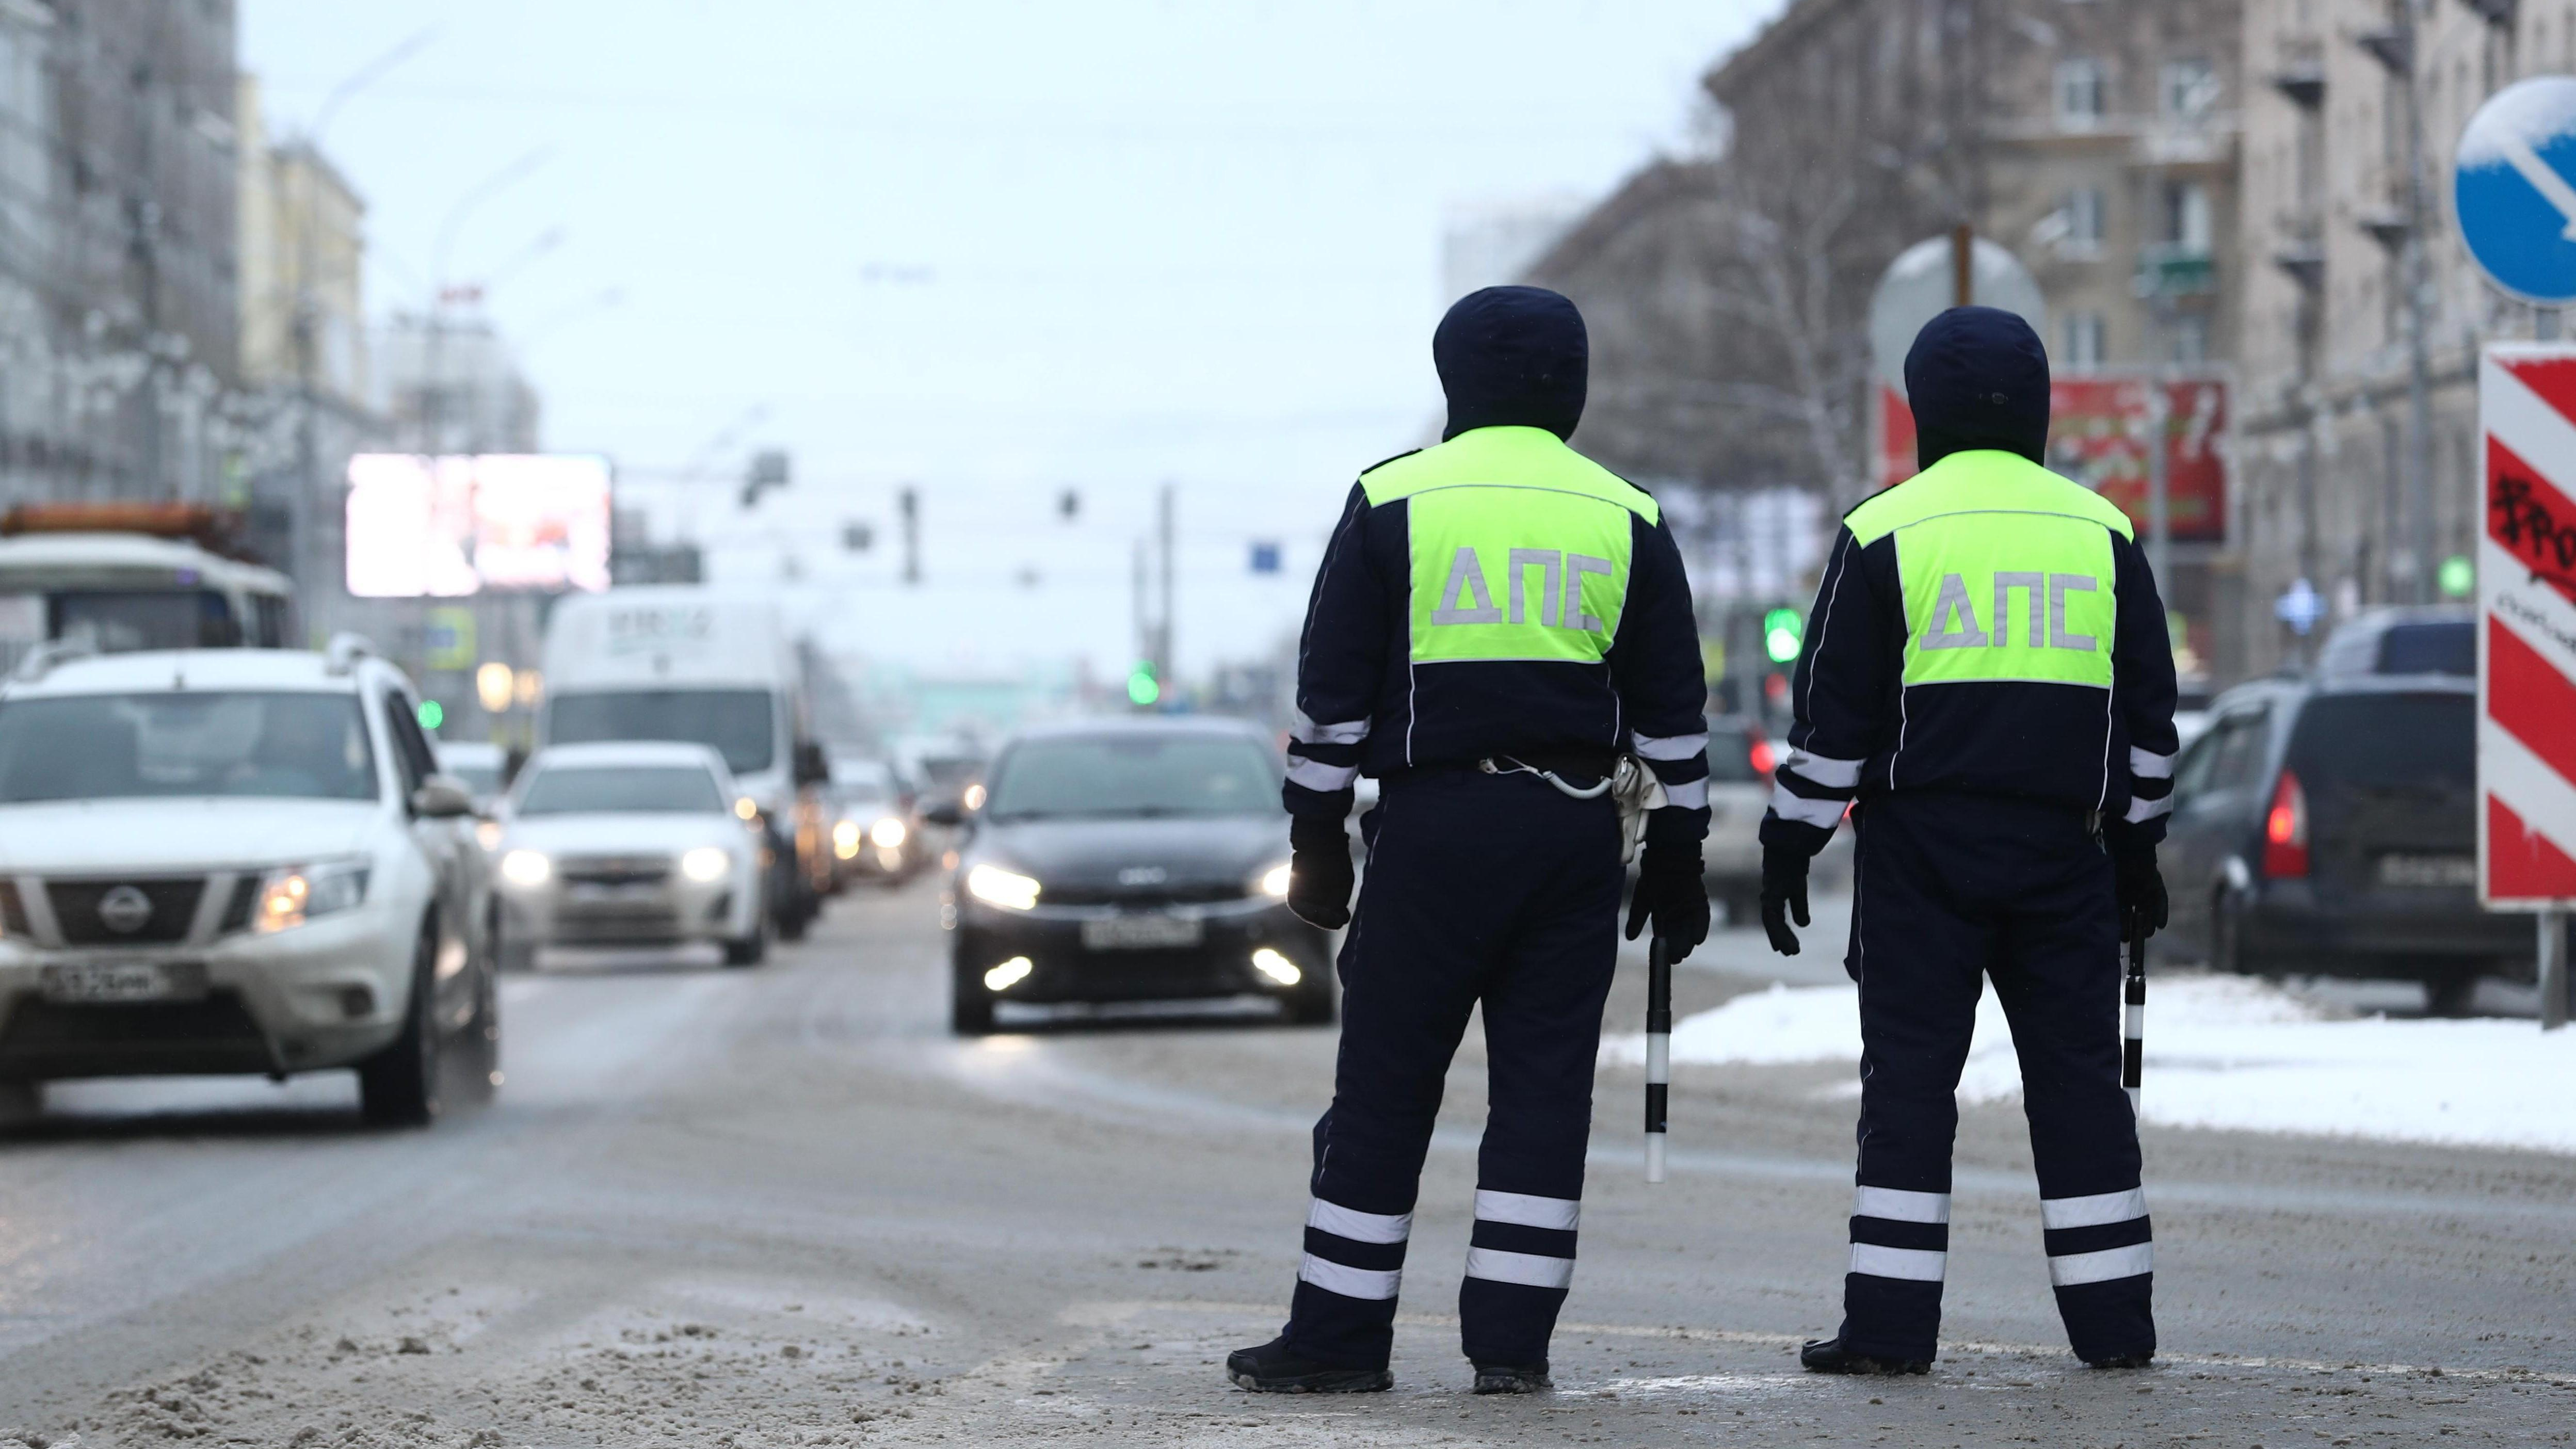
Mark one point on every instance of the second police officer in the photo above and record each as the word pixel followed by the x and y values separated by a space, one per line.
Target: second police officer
pixel 1496 619
pixel 1988 674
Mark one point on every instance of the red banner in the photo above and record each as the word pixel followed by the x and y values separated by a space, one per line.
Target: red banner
pixel 2097 435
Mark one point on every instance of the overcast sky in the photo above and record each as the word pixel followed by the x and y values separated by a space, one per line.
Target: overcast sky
pixel 995 250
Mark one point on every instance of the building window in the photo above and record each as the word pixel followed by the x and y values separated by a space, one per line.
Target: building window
pixel 2079 93
pixel 2190 339
pixel 2079 344
pixel 2083 211
pixel 2187 226
pixel 2189 90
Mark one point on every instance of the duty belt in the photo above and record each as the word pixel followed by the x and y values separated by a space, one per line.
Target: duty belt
pixel 1576 763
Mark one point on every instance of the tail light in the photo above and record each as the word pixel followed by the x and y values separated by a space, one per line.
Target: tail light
pixel 1761 757
pixel 2285 830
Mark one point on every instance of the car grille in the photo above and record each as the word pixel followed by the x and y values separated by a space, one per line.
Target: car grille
pixel 237 910
pixel 1146 897
pixel 609 925
pixel 76 903
pixel 619 870
pixel 13 911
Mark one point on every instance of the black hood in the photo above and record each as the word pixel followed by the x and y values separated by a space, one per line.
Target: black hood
pixel 1977 378
pixel 1512 357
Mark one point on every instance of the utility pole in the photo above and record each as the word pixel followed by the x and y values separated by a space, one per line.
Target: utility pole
pixel 2419 366
pixel 1163 630
pixel 908 503
pixel 2159 486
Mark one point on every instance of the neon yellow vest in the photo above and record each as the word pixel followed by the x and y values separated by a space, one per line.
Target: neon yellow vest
pixel 2007 571
pixel 1520 546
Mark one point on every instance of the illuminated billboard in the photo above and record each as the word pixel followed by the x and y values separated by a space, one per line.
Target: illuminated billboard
pixel 445 527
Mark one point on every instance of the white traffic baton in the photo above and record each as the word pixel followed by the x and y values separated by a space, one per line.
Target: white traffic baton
pixel 1659 1051
pixel 2133 1020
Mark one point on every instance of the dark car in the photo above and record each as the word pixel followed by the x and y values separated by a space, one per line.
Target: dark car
pixel 1130 861
pixel 2329 825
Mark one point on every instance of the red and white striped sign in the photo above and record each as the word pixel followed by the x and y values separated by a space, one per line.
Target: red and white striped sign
pixel 2527 628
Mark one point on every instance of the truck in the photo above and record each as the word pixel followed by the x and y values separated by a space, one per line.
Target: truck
pixel 710 666
pixel 116 577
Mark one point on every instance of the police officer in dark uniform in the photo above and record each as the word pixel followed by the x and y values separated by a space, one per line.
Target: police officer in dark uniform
pixel 1497 619
pixel 1988 675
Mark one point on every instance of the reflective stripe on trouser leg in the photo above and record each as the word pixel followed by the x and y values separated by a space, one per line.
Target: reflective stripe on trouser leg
pixel 2101 1263
pixel 1520 1263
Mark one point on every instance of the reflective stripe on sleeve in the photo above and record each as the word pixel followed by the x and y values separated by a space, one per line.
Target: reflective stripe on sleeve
pixel 2094 1211
pixel 1670 747
pixel 1919 1265
pixel 2102 1267
pixel 1688 795
pixel 1358 1226
pixel 1316 775
pixel 1350 1282
pixel 2148 765
pixel 1899 1206
pixel 1530 1211
pixel 1306 731
pixel 1821 813
pixel 2142 811
pixel 1831 773
pixel 1531 1270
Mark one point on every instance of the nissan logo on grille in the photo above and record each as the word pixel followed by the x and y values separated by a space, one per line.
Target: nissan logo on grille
pixel 1143 875
pixel 124 910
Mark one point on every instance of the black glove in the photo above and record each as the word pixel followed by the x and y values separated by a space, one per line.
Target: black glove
pixel 1319 871
pixel 1784 896
pixel 2140 890
pixel 1672 889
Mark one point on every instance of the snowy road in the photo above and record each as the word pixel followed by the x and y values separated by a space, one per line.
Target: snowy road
pixel 783 1206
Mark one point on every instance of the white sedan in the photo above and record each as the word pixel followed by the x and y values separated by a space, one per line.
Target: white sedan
pixel 640 843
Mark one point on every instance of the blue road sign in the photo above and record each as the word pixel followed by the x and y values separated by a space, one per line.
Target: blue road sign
pixel 2513 188
pixel 1265 557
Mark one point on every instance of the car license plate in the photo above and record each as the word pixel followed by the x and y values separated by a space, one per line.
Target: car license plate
pixel 109 982
pixel 1141 933
pixel 2428 870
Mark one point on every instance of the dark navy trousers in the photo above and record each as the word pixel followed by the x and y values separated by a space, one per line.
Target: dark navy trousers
pixel 1951 889
pixel 1481 890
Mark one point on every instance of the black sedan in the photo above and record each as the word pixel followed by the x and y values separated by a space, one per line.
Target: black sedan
pixel 1130 860
pixel 2328 824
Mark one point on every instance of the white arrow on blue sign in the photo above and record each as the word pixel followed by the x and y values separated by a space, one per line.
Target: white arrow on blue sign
pixel 2513 188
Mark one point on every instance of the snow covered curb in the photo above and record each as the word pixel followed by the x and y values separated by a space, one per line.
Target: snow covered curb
pixel 2222 1052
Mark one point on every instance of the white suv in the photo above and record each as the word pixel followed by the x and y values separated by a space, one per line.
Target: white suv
pixel 236 860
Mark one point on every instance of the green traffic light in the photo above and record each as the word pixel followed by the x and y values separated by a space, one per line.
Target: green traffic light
pixel 432 714
pixel 2458 576
pixel 1142 688
pixel 1782 632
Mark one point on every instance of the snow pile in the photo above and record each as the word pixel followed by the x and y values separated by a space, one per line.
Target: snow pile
pixel 2222 1052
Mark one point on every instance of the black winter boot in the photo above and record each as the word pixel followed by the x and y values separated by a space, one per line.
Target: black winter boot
pixel 1828 1356
pixel 1496 1378
pixel 1275 1368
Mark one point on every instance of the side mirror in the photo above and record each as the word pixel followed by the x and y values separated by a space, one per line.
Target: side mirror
pixel 442 797
pixel 946 812
pixel 811 766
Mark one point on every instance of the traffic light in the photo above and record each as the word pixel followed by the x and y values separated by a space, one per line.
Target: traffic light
pixel 1142 687
pixel 1783 631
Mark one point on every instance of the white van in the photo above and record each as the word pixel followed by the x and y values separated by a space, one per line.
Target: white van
pixel 709 666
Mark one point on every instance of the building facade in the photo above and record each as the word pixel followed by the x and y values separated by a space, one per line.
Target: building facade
pixel 2098 140
pixel 2357 477
pixel 119 269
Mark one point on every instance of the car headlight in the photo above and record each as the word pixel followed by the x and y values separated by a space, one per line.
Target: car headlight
pixel 1273 882
pixel 995 886
pixel 845 839
pixel 888 832
pixel 297 893
pixel 527 868
pixel 487 834
pixel 705 864
pixel 747 808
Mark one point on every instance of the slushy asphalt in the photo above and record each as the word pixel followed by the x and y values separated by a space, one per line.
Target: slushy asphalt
pixel 783 1206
